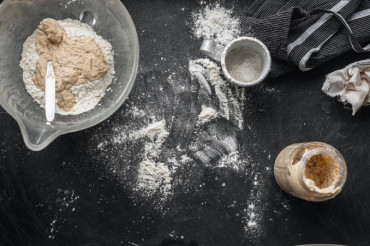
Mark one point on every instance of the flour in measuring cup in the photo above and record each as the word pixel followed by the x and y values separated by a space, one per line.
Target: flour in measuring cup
pixel 243 64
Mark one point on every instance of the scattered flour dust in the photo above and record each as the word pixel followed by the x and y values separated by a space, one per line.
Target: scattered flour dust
pixel 69 3
pixel 216 23
pixel 64 204
pixel 234 161
pixel 253 212
pixel 87 95
pixel 244 64
pixel 157 175
pixel 152 176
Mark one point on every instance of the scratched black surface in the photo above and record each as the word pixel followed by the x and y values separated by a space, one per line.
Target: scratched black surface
pixel 104 213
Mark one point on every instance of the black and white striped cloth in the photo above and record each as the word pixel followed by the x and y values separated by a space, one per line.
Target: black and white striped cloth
pixel 306 33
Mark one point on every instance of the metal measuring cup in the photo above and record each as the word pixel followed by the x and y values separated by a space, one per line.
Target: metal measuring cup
pixel 219 53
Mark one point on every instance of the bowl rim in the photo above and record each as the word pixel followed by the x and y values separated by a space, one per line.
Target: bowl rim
pixel 53 132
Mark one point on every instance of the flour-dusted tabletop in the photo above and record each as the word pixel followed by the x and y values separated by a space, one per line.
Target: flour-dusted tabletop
pixel 169 168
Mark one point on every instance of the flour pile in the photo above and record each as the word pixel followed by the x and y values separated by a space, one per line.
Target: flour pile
pixel 216 23
pixel 88 94
pixel 152 176
pixel 207 114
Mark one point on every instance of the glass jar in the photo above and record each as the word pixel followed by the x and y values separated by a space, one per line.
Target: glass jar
pixel 312 171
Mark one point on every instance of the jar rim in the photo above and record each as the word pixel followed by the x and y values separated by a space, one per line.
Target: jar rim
pixel 335 154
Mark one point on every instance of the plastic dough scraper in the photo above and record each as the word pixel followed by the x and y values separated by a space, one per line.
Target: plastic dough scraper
pixel 50 92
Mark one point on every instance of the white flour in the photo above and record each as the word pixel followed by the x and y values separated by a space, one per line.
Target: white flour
pixel 165 170
pixel 234 162
pixel 152 176
pixel 70 2
pixel 158 177
pixel 216 22
pixel 207 114
pixel 155 132
pixel 87 95
pixel 254 213
pixel 244 64
pixel 64 204
pixel 231 103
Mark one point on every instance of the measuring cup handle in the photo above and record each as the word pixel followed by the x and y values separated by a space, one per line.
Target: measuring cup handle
pixel 211 49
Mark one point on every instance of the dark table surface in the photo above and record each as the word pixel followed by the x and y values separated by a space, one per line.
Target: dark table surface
pixel 68 194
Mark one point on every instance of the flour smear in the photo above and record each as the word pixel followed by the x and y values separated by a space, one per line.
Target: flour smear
pixel 231 99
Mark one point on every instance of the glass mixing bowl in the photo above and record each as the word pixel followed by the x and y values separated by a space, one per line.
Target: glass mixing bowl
pixel 19 19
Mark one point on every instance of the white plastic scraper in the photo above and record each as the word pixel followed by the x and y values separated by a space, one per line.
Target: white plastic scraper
pixel 50 92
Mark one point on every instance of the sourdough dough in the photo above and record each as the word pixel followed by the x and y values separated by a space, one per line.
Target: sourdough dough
pixel 74 62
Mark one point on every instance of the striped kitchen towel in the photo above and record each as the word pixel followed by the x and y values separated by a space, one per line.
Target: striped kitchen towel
pixel 306 33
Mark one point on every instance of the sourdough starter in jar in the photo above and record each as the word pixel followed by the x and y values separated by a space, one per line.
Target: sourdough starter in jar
pixel 311 171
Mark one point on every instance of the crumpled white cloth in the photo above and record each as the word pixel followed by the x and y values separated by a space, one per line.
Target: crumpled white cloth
pixel 350 84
